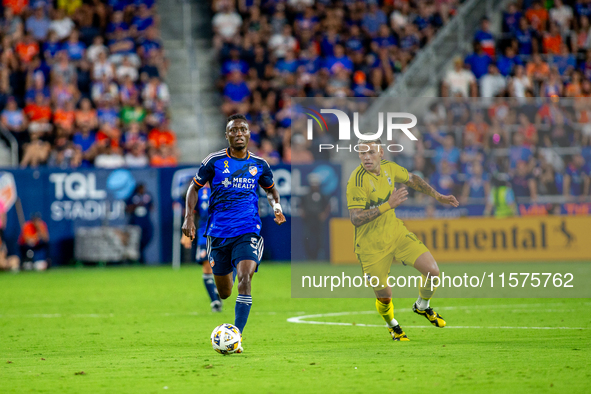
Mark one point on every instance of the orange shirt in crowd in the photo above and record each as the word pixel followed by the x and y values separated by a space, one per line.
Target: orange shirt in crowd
pixel 64 118
pixel 27 51
pixel 31 235
pixel 541 71
pixel 478 129
pixel 159 161
pixel 38 113
pixel 551 44
pixel 156 138
pixel 114 137
pixel 537 17
pixel 16 5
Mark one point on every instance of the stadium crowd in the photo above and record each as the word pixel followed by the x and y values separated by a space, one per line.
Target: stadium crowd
pixel 271 50
pixel 541 60
pixel 82 84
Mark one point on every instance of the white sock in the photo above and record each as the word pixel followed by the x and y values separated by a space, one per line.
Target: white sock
pixel 422 304
pixel 393 323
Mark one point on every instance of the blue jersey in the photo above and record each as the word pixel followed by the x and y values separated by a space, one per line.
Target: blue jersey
pixel 233 203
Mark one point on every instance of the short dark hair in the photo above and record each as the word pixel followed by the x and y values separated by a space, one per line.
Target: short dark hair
pixel 236 116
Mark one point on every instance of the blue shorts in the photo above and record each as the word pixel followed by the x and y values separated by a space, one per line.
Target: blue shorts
pixel 225 253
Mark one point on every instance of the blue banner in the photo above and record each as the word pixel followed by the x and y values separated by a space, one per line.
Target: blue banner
pixel 68 199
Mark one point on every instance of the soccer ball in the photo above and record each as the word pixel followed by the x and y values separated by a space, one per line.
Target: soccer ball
pixel 226 339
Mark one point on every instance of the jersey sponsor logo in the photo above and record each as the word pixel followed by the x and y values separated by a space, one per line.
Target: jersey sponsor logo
pixel 226 171
pixel 243 183
pixel 253 170
pixel 226 182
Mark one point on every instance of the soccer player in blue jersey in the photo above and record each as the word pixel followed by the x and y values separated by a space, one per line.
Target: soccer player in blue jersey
pixel 234 225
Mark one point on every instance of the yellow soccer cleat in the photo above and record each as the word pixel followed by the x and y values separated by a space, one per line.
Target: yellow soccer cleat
pixel 397 334
pixel 434 317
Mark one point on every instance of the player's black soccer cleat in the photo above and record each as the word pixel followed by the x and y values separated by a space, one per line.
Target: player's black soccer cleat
pixel 433 317
pixel 397 333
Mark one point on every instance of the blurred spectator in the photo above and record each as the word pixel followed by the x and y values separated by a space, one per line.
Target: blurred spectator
pixel 33 242
pixel 528 130
pixel 7 262
pixel 519 151
pixel 299 153
pixel 445 178
pixel 109 157
pixel 501 199
pixel 523 182
pixel 562 15
pixel 61 24
pixel 493 83
pixel 485 38
pixel 448 153
pixel 478 61
pixel 459 80
pixel 507 63
pixel 315 209
pixel 139 207
pixel 476 185
pixel 164 156
pixel 226 24
pixel 576 178
pixel 136 156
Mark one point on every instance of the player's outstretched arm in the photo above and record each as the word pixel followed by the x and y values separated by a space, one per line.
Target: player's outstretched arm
pixel 190 202
pixel 273 198
pixel 417 183
pixel 360 216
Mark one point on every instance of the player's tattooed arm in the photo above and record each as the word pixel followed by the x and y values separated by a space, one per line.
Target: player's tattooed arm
pixel 419 184
pixel 190 202
pixel 360 216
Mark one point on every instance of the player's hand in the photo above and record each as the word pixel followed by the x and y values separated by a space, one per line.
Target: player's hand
pixel 186 242
pixel 189 228
pixel 398 197
pixel 279 217
pixel 449 200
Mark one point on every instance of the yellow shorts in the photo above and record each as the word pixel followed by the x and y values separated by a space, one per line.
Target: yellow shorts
pixel 406 249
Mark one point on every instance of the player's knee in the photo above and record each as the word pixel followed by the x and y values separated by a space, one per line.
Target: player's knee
pixel 384 300
pixel 434 271
pixel 244 281
pixel 224 293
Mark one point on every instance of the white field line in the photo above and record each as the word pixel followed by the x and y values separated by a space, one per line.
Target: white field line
pixel 303 319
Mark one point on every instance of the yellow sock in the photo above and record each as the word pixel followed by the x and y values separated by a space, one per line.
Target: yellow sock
pixel 425 291
pixel 387 312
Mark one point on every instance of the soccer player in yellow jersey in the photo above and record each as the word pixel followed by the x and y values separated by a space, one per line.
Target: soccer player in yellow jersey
pixel 381 238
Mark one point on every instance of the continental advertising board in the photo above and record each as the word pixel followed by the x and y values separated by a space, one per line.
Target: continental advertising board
pixel 535 238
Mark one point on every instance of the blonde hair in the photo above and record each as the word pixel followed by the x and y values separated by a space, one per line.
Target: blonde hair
pixel 367 142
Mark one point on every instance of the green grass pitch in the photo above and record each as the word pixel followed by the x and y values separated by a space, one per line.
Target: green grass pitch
pixel 146 330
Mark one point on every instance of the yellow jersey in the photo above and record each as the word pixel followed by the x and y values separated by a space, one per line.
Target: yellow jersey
pixel 365 191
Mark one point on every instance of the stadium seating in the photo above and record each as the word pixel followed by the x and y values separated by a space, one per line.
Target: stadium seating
pixel 535 79
pixel 272 50
pixel 82 85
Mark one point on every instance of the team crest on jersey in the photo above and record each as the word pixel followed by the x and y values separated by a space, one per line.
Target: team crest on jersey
pixel 253 170
pixel 388 176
